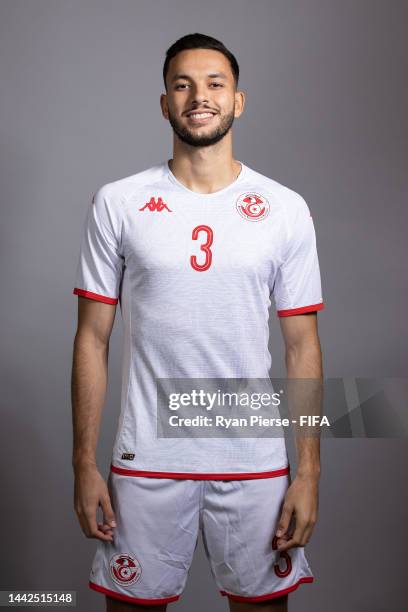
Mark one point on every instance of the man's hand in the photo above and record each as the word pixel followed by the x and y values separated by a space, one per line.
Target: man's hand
pixel 299 512
pixel 91 491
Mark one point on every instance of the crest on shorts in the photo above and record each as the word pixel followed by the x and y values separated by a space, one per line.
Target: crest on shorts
pixel 125 569
pixel 252 206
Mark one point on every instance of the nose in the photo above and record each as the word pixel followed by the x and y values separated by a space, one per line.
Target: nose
pixel 199 94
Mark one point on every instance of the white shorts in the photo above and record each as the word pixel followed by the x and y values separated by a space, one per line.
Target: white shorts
pixel 158 521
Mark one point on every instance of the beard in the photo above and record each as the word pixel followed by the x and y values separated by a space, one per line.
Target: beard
pixel 195 139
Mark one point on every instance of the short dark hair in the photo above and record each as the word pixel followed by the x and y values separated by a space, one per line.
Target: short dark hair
pixel 200 41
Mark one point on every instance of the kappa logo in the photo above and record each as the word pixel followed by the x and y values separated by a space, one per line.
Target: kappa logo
pixel 154 205
pixel 125 569
pixel 253 206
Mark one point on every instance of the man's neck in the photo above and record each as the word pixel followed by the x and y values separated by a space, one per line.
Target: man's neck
pixel 205 173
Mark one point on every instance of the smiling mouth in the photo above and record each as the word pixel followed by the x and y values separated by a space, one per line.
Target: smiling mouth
pixel 203 117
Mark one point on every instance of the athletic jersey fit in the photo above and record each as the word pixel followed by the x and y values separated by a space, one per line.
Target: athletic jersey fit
pixel 194 275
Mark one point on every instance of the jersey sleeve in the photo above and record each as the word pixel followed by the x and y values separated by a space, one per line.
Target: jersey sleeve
pixel 297 287
pixel 100 264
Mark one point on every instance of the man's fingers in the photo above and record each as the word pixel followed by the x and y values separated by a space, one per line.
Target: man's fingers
pixel 108 513
pixel 105 528
pixel 282 546
pixel 284 520
pixel 295 540
pixel 90 527
pixel 292 526
pixel 95 532
pixel 99 535
pixel 300 505
pixel 307 531
pixel 108 531
pixel 300 536
pixel 90 492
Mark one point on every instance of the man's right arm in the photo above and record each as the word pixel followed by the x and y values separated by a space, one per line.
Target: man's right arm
pixel 88 389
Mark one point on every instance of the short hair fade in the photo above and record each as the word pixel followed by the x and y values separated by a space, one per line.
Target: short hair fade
pixel 200 41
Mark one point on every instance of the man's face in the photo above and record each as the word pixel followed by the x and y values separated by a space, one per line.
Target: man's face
pixel 201 101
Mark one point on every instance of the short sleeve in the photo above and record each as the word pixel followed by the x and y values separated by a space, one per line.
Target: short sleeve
pixel 297 287
pixel 100 264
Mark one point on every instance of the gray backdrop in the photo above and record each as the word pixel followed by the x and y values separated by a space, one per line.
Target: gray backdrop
pixel 325 115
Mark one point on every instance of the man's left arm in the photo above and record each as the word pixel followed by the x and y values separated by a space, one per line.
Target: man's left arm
pixel 303 361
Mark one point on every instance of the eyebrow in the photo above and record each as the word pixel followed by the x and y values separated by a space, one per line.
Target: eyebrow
pixel 214 75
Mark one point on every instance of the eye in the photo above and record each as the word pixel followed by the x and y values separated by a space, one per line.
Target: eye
pixel 217 84
pixel 181 85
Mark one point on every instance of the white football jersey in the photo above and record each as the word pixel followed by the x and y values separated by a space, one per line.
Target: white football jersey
pixel 194 274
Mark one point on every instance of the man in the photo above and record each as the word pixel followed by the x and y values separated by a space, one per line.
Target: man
pixel 193 249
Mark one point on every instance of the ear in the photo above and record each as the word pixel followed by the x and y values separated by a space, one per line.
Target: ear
pixel 163 105
pixel 239 103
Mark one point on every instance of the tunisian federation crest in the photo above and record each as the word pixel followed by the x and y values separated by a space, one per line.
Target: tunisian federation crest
pixel 125 569
pixel 252 206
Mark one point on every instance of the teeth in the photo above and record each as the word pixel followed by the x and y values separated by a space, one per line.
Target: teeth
pixel 200 115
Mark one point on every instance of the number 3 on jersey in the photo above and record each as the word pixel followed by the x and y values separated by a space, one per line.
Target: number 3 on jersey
pixel 204 247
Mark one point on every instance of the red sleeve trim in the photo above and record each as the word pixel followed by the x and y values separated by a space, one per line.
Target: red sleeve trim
pixel 200 476
pixel 146 602
pixel 269 595
pixel 95 296
pixel 301 310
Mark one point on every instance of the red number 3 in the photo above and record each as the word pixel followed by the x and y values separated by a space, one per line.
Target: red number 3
pixel 281 573
pixel 204 247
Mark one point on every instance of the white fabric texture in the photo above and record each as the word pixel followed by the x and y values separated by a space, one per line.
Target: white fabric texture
pixel 237 519
pixel 191 311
